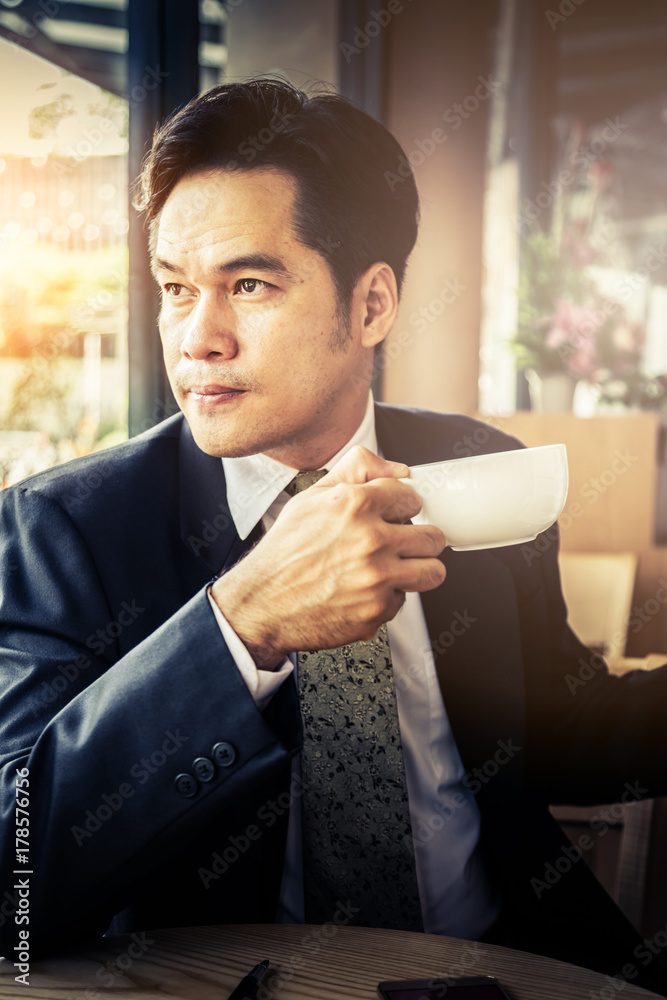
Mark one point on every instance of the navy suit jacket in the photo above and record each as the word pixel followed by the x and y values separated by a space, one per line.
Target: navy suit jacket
pixel 115 677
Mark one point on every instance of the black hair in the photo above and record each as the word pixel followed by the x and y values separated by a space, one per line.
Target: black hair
pixel 357 201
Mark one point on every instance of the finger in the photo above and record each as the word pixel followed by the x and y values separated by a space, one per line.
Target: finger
pixel 387 498
pixel 394 602
pixel 412 541
pixel 361 466
pixel 419 575
pixel 393 500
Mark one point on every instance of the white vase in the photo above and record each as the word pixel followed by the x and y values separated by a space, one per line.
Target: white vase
pixel 553 393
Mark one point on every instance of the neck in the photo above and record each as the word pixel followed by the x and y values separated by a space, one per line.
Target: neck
pixel 317 451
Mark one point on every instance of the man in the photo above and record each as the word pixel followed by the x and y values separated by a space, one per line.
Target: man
pixel 173 607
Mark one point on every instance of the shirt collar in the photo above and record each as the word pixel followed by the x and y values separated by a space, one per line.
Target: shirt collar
pixel 255 481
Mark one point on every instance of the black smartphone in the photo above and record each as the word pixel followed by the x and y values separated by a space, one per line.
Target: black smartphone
pixel 443 988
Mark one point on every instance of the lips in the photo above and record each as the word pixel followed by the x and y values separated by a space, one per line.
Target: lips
pixel 209 395
pixel 213 390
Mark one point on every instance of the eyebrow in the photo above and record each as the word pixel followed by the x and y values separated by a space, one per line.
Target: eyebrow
pixel 249 262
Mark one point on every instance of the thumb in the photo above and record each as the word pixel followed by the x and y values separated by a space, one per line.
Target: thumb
pixel 361 466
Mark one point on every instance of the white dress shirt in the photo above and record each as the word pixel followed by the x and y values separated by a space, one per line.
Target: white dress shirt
pixel 456 895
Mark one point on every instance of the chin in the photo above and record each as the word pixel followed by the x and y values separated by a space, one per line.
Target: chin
pixel 236 436
pixel 219 445
pixel 224 449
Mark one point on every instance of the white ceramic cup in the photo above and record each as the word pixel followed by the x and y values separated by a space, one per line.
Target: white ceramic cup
pixel 487 501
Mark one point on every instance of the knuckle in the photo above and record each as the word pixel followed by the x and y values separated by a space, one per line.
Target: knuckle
pixel 438 539
pixel 431 575
pixel 403 509
pixel 399 601
pixel 414 497
pixel 439 572
pixel 360 453
pixel 374 612
pixel 354 497
pixel 337 493
pixel 374 539
pixel 413 501
pixel 372 581
pixel 356 461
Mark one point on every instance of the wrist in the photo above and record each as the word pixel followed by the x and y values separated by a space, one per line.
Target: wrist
pixel 248 621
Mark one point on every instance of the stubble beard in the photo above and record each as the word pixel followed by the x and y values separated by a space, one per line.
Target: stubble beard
pixel 207 433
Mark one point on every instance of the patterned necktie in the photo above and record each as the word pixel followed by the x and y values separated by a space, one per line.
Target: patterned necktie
pixel 357 836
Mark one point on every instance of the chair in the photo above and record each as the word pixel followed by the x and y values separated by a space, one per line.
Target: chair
pixel 598 590
pixel 598 587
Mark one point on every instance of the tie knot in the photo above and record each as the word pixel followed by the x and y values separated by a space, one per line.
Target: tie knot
pixel 303 480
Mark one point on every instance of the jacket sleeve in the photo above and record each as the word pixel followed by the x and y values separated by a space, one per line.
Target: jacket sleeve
pixel 104 738
pixel 599 737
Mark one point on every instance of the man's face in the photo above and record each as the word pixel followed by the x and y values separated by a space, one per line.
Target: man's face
pixel 259 357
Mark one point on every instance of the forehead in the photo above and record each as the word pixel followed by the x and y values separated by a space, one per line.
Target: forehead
pixel 229 207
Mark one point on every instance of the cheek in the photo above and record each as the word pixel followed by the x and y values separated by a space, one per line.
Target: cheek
pixel 170 339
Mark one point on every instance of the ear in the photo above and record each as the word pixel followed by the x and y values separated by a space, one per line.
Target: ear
pixel 375 299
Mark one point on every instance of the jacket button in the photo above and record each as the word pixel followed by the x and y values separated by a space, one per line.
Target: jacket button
pixel 185 785
pixel 203 768
pixel 224 754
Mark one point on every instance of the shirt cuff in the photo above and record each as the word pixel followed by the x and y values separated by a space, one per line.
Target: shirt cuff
pixel 262 684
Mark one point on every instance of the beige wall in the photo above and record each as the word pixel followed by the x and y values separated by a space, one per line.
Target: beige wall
pixel 436 53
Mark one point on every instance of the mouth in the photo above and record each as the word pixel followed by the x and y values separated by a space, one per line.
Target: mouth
pixel 214 395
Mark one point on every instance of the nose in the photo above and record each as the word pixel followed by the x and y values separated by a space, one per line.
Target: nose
pixel 209 333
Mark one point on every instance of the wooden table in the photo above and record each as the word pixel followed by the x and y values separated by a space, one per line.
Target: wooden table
pixel 311 963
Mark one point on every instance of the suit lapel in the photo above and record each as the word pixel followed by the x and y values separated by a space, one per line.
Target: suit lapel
pixel 207 526
pixel 473 618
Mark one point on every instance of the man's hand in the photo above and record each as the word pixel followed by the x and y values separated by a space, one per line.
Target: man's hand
pixel 336 564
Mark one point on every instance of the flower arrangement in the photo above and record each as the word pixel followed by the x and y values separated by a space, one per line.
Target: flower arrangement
pixel 566 326
pixel 555 329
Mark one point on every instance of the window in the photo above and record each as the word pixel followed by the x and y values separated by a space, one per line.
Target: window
pixel 63 230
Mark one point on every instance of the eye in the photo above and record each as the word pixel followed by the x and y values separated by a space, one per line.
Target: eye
pixel 172 289
pixel 250 285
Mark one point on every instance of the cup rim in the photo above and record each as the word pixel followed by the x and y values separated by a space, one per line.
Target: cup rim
pixel 488 455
